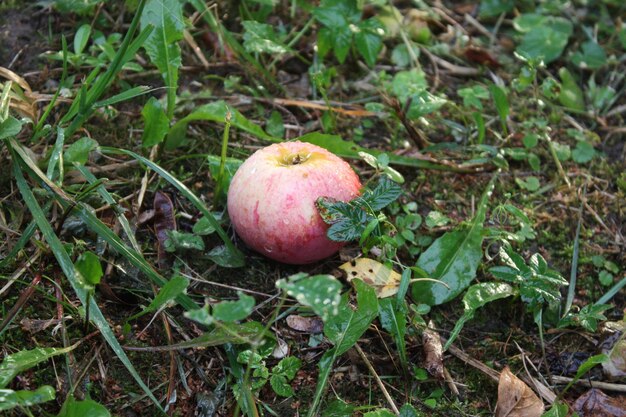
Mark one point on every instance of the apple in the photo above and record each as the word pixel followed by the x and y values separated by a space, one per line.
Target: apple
pixel 271 200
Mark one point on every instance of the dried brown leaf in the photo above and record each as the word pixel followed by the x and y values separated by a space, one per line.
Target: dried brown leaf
pixel 613 344
pixel 384 279
pixel 433 353
pixel 515 398
pixel 305 324
pixel 164 221
pixel 595 403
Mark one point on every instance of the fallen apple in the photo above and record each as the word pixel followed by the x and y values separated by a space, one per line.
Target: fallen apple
pixel 271 200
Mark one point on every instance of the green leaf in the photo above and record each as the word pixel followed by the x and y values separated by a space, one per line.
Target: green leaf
pixel 343 330
pixel 281 386
pixel 368 40
pixel 336 14
pixel 529 183
pixel 81 38
pixel 392 314
pixel 275 125
pixel 583 153
pixel 74 408
pixel 558 409
pixel 89 267
pixel 339 408
pixel 10 127
pixel 183 241
pixel 166 16
pixel 342 40
pixel 232 311
pixel 502 104
pixel 172 289
pixel 589 364
pixel 225 256
pixel 385 193
pixel 347 221
pixel 570 96
pixel 216 112
pixel 407 410
pixel 261 38
pixel 320 292
pixel 472 96
pixel 10 399
pixel 476 297
pixel 436 219
pixel 156 123
pixel 453 259
pixel 288 367
pixel 346 327
pixel 592 56
pixel 78 152
pixel 204 227
pixel 489 8
pixel 20 361
pixel 545 37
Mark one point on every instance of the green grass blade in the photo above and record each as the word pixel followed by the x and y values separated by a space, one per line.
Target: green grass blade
pixel 103 82
pixel 57 248
pixel 102 230
pixel 571 290
pixel 187 193
pixel 106 196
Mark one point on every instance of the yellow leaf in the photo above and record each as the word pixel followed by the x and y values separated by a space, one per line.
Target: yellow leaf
pixel 384 279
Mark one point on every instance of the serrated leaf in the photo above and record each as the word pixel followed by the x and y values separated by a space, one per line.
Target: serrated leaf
pixel 385 193
pixel 156 123
pixel 368 40
pixel 320 292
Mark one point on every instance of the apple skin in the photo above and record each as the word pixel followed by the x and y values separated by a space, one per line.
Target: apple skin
pixel 271 200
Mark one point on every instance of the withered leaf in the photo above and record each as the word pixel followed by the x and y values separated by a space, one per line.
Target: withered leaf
pixel 613 343
pixel 433 353
pixel 515 398
pixel 305 324
pixel 384 279
pixel 595 403
pixel 164 221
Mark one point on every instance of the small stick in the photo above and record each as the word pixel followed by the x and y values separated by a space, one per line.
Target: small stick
pixel 592 384
pixel 392 404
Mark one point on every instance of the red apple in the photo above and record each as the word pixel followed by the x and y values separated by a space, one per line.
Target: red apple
pixel 271 200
